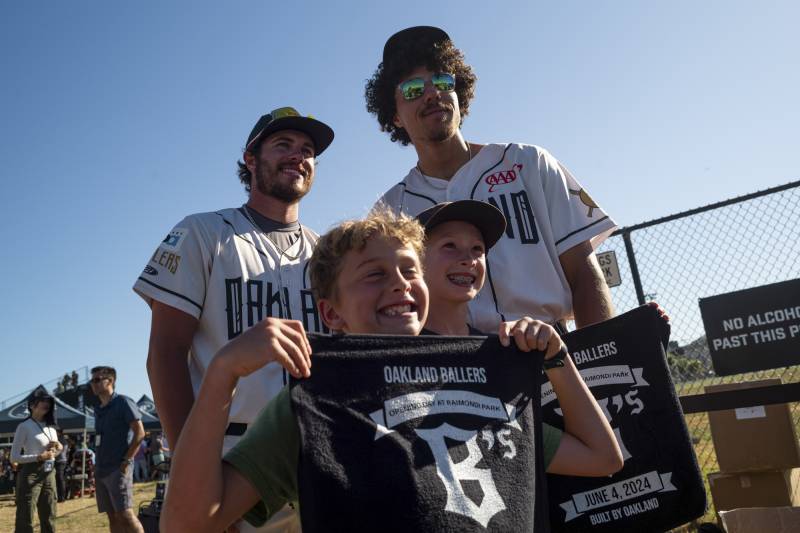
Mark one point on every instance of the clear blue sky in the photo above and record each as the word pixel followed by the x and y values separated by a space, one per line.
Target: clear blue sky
pixel 117 119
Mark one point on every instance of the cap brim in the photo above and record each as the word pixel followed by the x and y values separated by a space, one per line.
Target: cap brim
pixel 487 218
pixel 321 134
pixel 427 34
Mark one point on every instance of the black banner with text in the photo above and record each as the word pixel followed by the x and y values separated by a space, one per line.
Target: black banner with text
pixel 660 486
pixel 420 434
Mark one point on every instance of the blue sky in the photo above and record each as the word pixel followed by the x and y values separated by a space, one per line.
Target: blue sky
pixel 119 119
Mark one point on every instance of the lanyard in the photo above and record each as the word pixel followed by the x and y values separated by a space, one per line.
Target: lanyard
pixel 43 430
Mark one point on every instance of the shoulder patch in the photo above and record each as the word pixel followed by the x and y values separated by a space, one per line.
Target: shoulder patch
pixel 586 199
pixel 175 238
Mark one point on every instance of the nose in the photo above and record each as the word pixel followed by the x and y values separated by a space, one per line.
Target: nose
pixel 430 93
pixel 468 258
pixel 295 155
pixel 400 283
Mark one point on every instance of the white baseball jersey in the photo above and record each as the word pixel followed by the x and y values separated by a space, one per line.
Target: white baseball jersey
pixel 548 212
pixel 225 272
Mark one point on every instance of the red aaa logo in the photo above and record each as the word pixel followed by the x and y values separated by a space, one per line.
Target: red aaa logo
pixel 502 177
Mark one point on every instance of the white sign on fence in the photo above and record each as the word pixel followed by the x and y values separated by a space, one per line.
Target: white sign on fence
pixel 608 264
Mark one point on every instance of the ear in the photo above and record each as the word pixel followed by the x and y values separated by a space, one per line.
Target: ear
pixel 330 316
pixel 396 121
pixel 250 162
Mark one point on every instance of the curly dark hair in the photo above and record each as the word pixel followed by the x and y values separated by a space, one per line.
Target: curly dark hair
pixel 441 57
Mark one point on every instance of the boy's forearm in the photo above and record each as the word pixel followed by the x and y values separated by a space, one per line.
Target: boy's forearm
pixel 583 417
pixel 196 480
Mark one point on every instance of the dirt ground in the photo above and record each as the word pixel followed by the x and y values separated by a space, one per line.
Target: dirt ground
pixel 78 515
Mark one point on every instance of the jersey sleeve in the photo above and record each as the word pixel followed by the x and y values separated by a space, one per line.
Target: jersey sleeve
pixel 391 200
pixel 177 272
pixel 267 457
pixel 574 216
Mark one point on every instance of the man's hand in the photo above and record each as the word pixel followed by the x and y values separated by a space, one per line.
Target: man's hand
pixel 272 339
pixel 123 467
pixel 530 334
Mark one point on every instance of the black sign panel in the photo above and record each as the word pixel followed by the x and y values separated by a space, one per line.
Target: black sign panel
pixel 660 487
pixel 753 329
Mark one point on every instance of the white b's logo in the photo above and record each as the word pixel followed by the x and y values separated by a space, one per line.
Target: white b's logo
pixel 452 474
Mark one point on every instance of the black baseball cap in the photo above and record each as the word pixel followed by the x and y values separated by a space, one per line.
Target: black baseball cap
pixel 487 218
pixel 429 35
pixel 287 118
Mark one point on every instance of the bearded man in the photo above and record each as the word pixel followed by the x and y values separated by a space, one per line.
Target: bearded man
pixel 217 274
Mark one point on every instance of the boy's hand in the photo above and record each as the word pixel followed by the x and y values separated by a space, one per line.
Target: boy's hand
pixel 530 334
pixel 272 339
pixel 661 313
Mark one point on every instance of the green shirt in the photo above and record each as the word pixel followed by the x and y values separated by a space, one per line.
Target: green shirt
pixel 268 453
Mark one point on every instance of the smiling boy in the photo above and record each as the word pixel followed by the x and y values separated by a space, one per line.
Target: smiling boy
pixel 458 236
pixel 367 277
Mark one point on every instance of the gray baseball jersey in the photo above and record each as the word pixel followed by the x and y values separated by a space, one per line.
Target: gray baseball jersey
pixel 225 272
pixel 548 212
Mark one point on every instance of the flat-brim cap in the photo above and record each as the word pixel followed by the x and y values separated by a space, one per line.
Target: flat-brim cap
pixel 429 35
pixel 287 118
pixel 487 218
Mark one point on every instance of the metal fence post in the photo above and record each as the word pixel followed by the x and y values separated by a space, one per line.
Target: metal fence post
pixel 637 282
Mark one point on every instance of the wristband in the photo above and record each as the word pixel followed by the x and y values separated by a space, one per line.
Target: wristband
pixel 557 361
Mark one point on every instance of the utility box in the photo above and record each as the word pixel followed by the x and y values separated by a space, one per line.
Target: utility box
pixel 761 520
pixel 753 438
pixel 776 488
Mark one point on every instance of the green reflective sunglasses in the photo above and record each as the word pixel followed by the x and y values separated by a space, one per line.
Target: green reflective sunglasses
pixel 415 87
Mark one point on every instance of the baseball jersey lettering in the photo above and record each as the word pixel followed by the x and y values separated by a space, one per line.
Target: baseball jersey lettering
pixel 233 297
pixel 255 300
pixel 523 214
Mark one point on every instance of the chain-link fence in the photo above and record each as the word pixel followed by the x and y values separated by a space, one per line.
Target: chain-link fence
pixel 732 245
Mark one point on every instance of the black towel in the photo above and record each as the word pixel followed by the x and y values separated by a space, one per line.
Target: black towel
pixel 660 487
pixel 385 421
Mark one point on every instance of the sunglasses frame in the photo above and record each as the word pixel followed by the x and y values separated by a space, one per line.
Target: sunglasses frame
pixel 437 79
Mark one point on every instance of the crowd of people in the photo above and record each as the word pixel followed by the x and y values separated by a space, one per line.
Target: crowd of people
pixel 45 466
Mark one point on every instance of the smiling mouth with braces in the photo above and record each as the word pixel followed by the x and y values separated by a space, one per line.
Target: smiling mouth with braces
pixel 461 280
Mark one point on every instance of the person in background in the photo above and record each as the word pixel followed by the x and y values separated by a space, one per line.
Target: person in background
pixel 140 470
pixel 116 417
pixel 35 448
pixel 157 455
pixel 61 466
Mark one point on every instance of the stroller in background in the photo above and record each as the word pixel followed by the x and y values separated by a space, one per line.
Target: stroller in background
pixel 150 511
pixel 78 471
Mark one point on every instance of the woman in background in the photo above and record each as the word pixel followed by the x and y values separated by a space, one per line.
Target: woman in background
pixel 35 448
